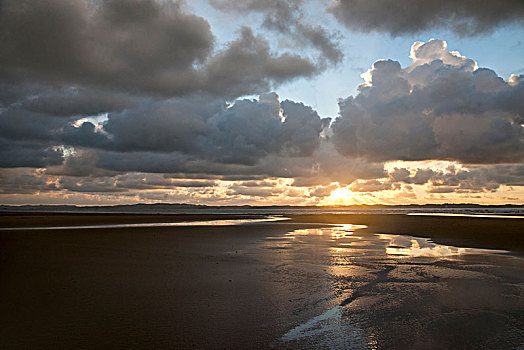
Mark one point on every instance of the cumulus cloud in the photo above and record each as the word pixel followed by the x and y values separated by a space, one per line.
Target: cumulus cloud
pixel 399 17
pixel 210 129
pixel 136 46
pixel 196 134
pixel 248 65
pixel 128 44
pixel 93 139
pixel 440 107
pixel 28 154
pixel 287 18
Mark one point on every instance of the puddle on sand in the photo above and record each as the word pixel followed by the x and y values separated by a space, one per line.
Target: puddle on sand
pixel 400 245
pixel 370 260
pixel 228 222
pixel 328 324
pixel 346 240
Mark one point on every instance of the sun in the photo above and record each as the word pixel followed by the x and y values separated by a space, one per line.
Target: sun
pixel 341 196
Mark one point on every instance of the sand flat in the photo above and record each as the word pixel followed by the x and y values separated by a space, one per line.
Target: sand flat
pixel 239 287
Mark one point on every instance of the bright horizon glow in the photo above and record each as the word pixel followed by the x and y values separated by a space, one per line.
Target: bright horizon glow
pixel 341 196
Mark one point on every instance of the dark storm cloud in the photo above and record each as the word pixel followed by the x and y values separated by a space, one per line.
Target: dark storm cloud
pixel 131 45
pixel 81 163
pixel 127 182
pixel 199 130
pixel 61 101
pixel 440 107
pixel 23 125
pixel 63 61
pixel 157 126
pixel 253 129
pixel 203 129
pixel 406 16
pixel 30 181
pixel 286 18
pixel 28 154
pixel 69 102
pixel 247 65
pixel 135 46
pixel 97 184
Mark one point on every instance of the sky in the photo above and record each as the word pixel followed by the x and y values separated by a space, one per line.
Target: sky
pixel 233 102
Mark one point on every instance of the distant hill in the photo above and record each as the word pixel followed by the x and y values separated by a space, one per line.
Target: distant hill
pixel 181 207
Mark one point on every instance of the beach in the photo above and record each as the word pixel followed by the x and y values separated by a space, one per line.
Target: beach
pixel 298 283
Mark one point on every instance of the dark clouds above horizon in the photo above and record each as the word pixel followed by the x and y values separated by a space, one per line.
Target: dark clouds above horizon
pixel 465 17
pixel 117 96
pixel 135 46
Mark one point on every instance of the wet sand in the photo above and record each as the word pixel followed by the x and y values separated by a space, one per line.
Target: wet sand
pixel 141 288
pixel 284 285
pixel 478 232
pixel 481 232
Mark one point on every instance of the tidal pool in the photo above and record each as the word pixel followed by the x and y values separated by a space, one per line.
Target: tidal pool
pixel 386 291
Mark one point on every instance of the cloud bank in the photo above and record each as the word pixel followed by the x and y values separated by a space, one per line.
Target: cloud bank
pixel 287 18
pixel 134 100
pixel 466 18
pixel 136 46
pixel 440 107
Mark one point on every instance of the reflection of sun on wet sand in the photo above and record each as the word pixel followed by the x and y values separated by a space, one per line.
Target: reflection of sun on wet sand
pixel 312 281
pixel 390 290
pixel 479 232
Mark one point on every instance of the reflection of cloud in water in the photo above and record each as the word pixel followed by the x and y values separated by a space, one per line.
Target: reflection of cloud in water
pixel 416 246
pixel 345 241
pixel 333 330
pixel 362 265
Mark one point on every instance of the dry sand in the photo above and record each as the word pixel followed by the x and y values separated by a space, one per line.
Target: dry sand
pixel 231 286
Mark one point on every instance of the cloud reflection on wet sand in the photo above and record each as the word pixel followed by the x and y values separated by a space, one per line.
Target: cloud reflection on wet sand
pixel 385 285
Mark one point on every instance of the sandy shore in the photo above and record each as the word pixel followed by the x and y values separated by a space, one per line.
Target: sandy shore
pixel 490 233
pixel 31 219
pixel 247 286
pixel 179 287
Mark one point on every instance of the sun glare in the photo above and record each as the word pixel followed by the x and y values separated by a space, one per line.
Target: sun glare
pixel 341 195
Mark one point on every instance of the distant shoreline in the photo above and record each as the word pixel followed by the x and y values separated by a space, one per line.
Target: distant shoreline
pixel 174 208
